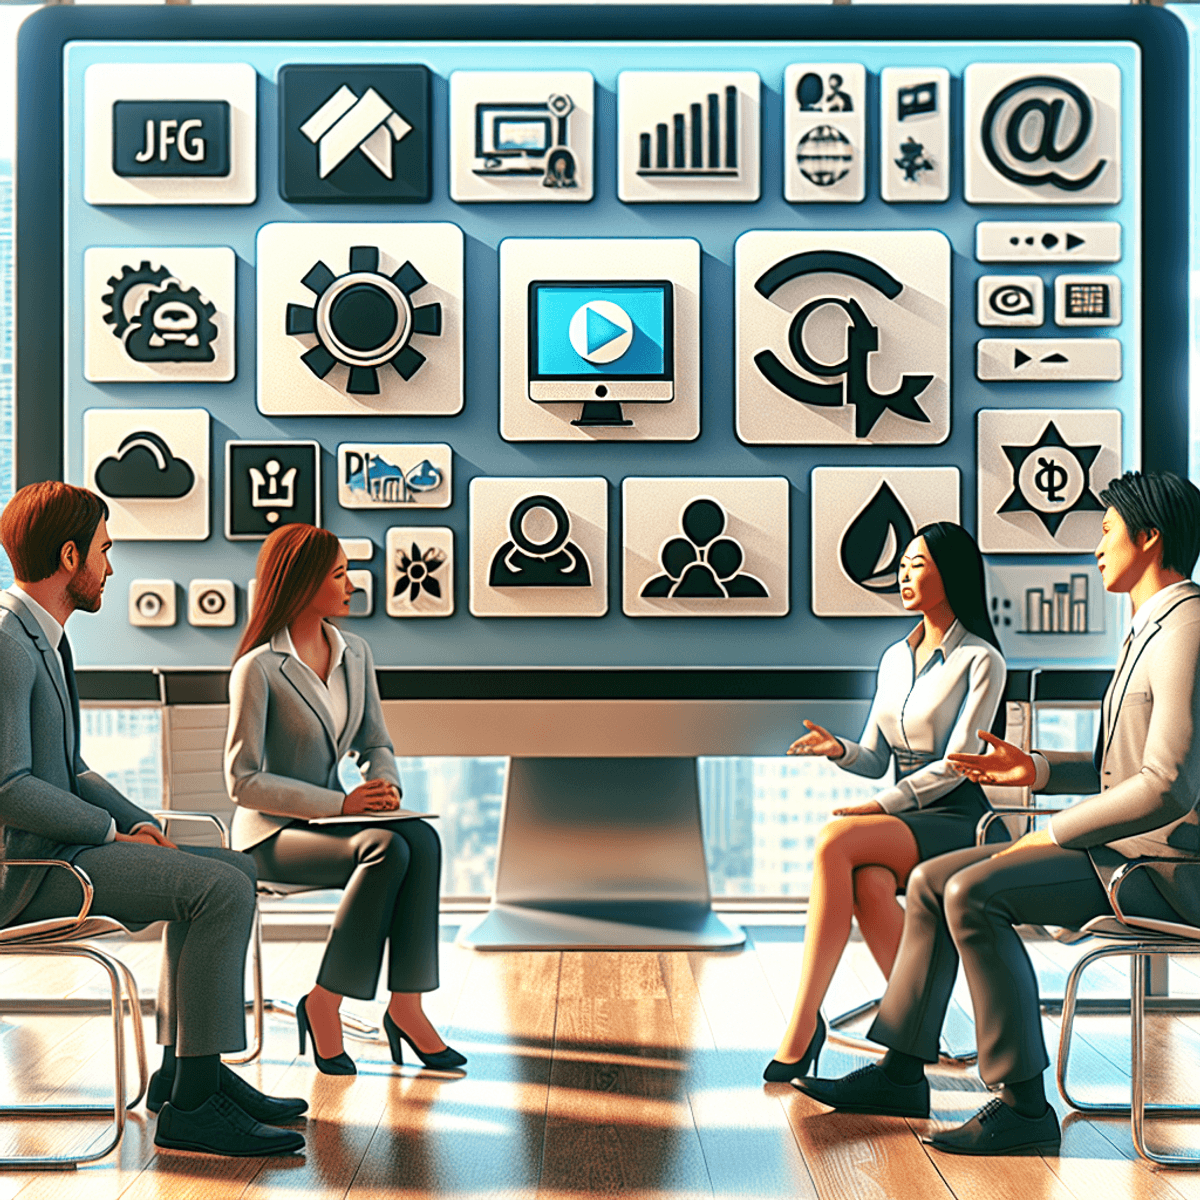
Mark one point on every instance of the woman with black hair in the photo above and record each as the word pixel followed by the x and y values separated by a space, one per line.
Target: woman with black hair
pixel 935 689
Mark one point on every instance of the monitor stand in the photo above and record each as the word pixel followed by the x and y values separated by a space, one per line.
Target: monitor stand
pixel 601 412
pixel 601 853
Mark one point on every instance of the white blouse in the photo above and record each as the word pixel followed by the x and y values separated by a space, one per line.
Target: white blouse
pixel 918 718
pixel 331 690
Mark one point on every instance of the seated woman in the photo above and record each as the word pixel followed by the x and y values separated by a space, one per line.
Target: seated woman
pixel 934 691
pixel 302 694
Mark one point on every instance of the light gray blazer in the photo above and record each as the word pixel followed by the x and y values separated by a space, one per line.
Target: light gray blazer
pixel 52 805
pixel 1145 772
pixel 281 756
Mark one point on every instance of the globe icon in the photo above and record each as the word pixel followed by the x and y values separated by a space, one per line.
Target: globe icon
pixel 825 155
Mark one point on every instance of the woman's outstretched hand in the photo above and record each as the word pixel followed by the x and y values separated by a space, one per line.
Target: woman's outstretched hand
pixel 1004 764
pixel 817 743
pixel 376 795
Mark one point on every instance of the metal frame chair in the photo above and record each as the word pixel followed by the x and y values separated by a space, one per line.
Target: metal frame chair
pixel 1136 938
pixel 70 937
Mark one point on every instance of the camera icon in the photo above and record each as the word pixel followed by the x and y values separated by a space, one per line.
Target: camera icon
pixel 212 602
pixel 152 603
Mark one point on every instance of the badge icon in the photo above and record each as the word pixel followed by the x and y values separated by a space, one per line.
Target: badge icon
pixel 831 346
pixel 1041 472
pixel 353 134
pixel 270 484
pixel 1043 133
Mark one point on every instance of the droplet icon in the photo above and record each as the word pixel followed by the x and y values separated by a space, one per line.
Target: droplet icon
pixel 875 541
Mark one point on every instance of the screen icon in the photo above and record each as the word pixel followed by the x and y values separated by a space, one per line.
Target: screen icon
pixel 521 135
pixel 601 342
pixel 354 133
pixel 588 349
pixel 270 484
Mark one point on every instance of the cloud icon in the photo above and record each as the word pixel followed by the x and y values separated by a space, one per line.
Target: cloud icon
pixel 144 469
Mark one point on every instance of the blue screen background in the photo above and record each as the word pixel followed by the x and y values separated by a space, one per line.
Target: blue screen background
pixel 556 307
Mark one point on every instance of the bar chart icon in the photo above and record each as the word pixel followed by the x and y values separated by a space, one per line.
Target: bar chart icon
pixel 701 142
pixel 689 135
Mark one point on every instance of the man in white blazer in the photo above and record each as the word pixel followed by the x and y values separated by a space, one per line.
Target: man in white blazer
pixel 1144 780
pixel 52 806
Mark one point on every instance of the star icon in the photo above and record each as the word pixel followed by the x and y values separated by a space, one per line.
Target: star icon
pixel 1051 479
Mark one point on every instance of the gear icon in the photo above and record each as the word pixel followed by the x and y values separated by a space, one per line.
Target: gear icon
pixel 118 316
pixel 365 320
pixel 173 324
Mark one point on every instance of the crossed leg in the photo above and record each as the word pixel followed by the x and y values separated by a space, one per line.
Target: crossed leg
pixel 859 865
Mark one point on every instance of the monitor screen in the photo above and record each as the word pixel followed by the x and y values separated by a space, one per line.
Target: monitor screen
pixel 583 330
pixel 521 135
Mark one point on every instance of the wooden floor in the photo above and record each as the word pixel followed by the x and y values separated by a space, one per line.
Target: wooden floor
pixel 632 1074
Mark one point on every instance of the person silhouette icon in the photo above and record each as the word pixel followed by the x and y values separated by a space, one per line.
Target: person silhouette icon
pixel 524 562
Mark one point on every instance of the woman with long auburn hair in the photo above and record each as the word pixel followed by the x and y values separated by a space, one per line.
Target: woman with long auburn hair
pixel 303 695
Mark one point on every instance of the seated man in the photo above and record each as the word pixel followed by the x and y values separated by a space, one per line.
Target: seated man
pixel 1145 772
pixel 53 806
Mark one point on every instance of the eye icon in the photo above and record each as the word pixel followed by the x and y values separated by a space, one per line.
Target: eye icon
pixel 211 602
pixel 149 604
pixel 1011 301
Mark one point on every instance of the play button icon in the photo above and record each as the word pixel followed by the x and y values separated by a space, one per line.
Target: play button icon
pixel 600 331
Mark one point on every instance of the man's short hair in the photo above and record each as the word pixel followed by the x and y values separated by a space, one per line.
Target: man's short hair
pixel 41 519
pixel 1160 500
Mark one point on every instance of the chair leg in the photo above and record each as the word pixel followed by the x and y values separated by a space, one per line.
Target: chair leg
pixel 116 972
pixel 1137 1055
pixel 139 1033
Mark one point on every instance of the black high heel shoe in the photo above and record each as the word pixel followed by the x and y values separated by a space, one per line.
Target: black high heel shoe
pixel 441 1060
pixel 778 1072
pixel 339 1064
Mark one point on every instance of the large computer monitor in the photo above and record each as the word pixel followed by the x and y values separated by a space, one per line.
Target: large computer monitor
pixel 601 342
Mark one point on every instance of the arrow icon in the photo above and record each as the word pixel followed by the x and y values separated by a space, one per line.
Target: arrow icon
pixel 1020 358
pixel 1073 241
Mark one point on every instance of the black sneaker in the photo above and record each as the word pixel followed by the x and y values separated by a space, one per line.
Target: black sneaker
pixel 868 1090
pixel 218 1126
pixel 998 1129
pixel 270 1110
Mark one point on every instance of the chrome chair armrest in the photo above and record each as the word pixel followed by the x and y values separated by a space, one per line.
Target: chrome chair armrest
pixel 1008 810
pixel 1123 872
pixel 80 874
pixel 197 818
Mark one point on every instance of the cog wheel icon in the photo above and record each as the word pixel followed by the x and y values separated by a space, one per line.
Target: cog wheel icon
pixel 121 314
pixel 364 320
pixel 173 324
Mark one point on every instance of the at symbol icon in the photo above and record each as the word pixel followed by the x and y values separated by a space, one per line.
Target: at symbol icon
pixel 1050 125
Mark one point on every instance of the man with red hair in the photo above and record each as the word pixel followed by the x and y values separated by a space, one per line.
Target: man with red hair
pixel 52 806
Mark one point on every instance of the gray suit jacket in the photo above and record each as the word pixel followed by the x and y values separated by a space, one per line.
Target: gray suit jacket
pixel 51 804
pixel 1146 769
pixel 281 756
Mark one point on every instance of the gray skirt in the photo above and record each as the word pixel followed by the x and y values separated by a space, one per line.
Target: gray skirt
pixel 949 822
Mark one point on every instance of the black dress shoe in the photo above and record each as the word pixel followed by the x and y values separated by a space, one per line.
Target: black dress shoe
pixel 270 1110
pixel 781 1072
pixel 999 1129
pixel 218 1126
pixel 869 1090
